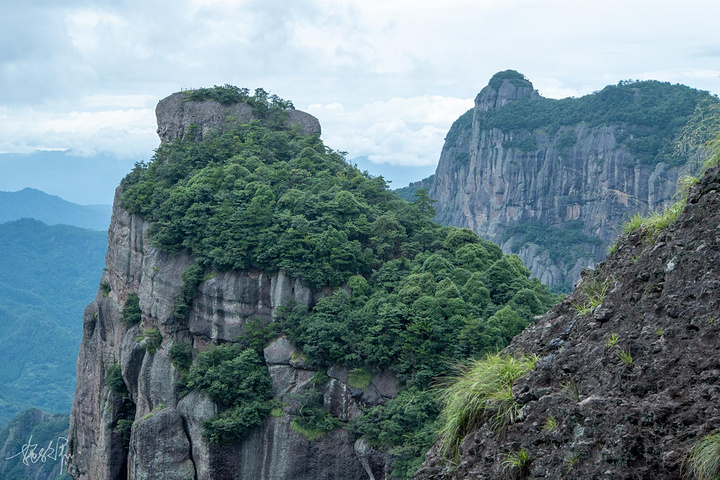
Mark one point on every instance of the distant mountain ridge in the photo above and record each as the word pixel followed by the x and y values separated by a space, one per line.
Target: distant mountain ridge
pixel 52 210
pixel 47 275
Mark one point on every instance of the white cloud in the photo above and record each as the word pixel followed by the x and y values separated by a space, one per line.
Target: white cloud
pixel 400 131
pixel 120 133
pixel 385 78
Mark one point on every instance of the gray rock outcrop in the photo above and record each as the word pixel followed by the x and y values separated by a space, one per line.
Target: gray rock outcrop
pixel 176 116
pixel 491 180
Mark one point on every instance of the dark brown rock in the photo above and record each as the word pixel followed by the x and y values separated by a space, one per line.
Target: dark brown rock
pixel 624 421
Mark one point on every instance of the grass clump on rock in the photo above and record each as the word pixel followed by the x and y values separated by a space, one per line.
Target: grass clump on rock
pixel 703 461
pixel 481 392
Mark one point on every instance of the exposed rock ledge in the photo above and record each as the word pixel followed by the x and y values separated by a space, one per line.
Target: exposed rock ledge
pixel 175 116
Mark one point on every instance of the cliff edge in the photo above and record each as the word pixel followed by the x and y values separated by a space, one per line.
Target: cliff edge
pixel 552 180
pixel 627 371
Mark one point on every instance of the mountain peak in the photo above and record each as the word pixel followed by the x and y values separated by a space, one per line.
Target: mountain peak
pixel 503 88
pixel 193 114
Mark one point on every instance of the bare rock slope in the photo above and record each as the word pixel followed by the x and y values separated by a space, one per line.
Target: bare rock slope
pixel 629 387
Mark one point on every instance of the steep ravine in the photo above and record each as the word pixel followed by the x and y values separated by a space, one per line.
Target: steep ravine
pixel 525 171
pixel 166 437
pixel 630 387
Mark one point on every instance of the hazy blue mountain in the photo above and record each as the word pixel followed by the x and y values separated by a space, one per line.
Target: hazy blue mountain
pixel 396 175
pixel 52 210
pixel 47 276
pixel 39 433
pixel 83 180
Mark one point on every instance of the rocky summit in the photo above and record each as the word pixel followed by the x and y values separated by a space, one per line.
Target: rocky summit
pixel 627 371
pixel 552 180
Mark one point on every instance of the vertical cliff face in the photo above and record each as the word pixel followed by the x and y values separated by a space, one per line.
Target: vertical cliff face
pixel 525 171
pixel 627 389
pixel 142 428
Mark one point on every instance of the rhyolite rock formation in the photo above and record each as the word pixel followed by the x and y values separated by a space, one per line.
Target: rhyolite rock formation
pixel 557 173
pixel 631 386
pixel 177 117
pixel 166 438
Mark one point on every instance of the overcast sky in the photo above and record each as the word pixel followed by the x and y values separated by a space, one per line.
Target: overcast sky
pixel 386 78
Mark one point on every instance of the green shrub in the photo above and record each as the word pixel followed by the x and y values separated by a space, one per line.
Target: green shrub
pixel 315 424
pixel 105 289
pixel 237 379
pixel 406 426
pixel 359 378
pixel 152 338
pixel 181 356
pixel 703 460
pixel 233 425
pixel 481 392
pixel 123 427
pixel 114 379
pixel 191 277
pixel 131 313
pixel 257 334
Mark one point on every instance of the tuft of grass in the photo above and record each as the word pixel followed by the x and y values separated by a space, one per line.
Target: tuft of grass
pixel 626 357
pixel 613 247
pixel 105 289
pixel 550 423
pixel 570 461
pixel 594 292
pixel 703 460
pixel 482 391
pixel 612 340
pixel 518 461
pixel 359 378
pixel 660 331
pixel 655 222
pixel 635 222
pixel 570 388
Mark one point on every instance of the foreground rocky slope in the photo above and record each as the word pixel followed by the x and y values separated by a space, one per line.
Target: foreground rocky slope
pixel 551 180
pixel 622 392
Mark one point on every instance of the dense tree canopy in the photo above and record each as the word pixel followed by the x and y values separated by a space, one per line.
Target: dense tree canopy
pixel 408 294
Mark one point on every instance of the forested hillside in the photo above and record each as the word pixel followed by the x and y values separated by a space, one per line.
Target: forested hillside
pixel 390 294
pixel 33 445
pixel 47 276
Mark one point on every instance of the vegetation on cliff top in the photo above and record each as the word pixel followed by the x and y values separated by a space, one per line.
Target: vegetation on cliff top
pixel 649 116
pixel 408 295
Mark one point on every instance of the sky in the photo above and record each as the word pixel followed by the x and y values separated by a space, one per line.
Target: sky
pixel 386 78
